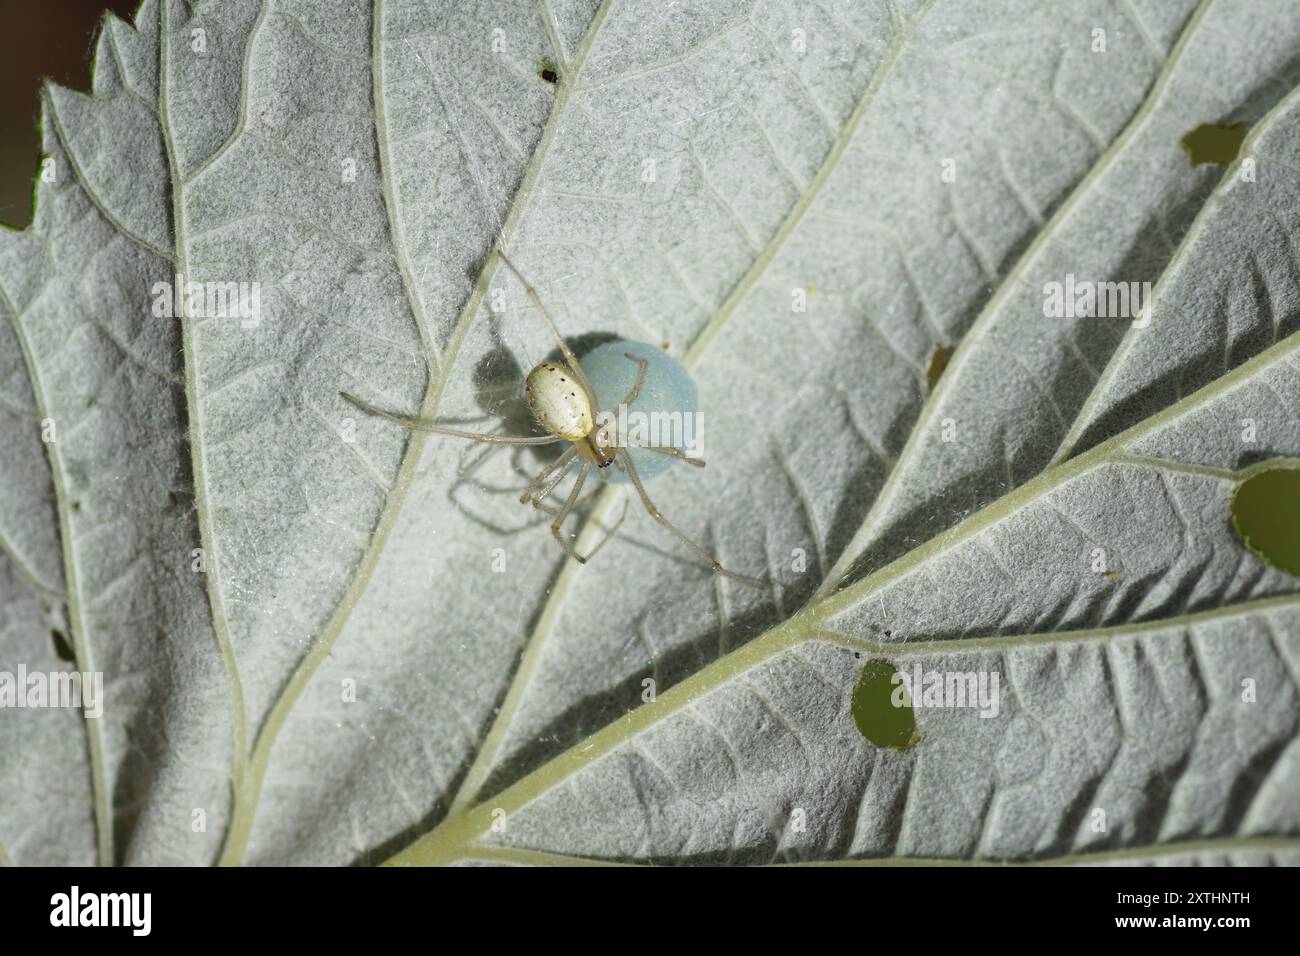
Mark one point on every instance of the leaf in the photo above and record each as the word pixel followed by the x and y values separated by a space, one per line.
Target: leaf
pixel 308 656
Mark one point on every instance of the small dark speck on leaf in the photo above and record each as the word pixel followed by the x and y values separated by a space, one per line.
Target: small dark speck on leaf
pixel 548 72
pixel 62 649
pixel 938 362
pixel 1214 143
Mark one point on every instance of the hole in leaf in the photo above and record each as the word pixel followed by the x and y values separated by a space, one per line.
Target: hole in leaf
pixel 546 70
pixel 1266 512
pixel 1214 143
pixel 882 708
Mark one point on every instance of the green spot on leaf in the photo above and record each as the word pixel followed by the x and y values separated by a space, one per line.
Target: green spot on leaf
pixel 1266 512
pixel 874 710
pixel 1214 143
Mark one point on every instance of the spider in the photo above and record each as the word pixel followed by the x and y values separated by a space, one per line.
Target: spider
pixel 563 402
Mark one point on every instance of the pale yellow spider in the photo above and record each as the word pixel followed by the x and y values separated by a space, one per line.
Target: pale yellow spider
pixel 563 403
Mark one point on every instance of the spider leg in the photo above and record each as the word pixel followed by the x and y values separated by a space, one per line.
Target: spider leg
pixel 569 358
pixel 654 513
pixel 418 425
pixel 564 513
pixel 623 442
pixel 609 532
pixel 545 472
pixel 640 377
pixel 550 485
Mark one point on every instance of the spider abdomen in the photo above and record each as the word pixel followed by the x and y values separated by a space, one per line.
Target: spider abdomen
pixel 558 402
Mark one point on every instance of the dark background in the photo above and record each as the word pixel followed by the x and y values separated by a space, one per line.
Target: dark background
pixel 40 39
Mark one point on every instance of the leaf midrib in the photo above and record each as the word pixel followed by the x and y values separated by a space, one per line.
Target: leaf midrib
pixel 202 503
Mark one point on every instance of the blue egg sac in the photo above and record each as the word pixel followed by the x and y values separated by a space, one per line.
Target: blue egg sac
pixel 666 412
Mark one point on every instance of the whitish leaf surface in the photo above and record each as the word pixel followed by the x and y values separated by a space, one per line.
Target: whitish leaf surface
pixel 325 639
